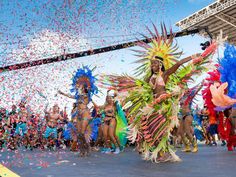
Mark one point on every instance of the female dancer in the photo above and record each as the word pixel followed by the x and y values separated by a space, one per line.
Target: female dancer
pixel 84 88
pixel 22 126
pixel 84 117
pixel 186 129
pixel 155 97
pixel 109 125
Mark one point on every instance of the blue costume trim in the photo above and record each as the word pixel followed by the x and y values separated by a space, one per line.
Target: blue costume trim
pixel 87 79
pixel 73 115
pixel 95 124
pixel 84 72
pixel 50 132
pixel 21 129
pixel 68 129
pixel 227 70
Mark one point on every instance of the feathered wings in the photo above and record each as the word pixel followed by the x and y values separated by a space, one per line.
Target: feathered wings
pixel 189 95
pixel 198 65
pixel 139 91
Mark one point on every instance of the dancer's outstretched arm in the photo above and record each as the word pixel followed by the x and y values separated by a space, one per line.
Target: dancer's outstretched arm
pixel 67 95
pixel 173 69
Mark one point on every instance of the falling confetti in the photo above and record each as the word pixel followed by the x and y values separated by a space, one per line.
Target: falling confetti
pixel 32 30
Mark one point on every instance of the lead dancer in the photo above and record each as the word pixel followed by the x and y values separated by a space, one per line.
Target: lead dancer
pixel 154 98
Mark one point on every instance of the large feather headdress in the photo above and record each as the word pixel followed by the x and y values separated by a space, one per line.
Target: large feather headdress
pixel 84 77
pixel 161 47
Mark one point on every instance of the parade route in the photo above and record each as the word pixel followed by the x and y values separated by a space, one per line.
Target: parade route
pixel 209 161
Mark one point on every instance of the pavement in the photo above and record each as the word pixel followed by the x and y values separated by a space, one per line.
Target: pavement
pixel 209 161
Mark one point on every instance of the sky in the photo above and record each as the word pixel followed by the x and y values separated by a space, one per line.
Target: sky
pixel 32 30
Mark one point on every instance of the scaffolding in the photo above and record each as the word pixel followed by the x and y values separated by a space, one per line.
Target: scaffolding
pixel 220 15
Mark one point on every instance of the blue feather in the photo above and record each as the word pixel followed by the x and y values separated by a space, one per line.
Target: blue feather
pixel 228 69
pixel 84 72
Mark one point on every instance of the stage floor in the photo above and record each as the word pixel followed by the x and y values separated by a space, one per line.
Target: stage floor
pixel 209 161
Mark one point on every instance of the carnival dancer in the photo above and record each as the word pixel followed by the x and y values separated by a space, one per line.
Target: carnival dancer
pixel 224 127
pixel 12 117
pixel 4 123
pixel 21 125
pixel 32 133
pixel 198 131
pixel 109 125
pixel 52 118
pixel 186 129
pixel 154 98
pixel 228 79
pixel 84 88
pixel 204 113
pixel 60 129
pixel 3 115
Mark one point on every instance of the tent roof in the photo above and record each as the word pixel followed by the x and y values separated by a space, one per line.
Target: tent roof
pixel 220 15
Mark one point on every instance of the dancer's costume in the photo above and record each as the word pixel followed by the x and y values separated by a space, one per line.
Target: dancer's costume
pixel 186 102
pixel 228 78
pixel 95 124
pixel 152 119
pixel 213 77
pixel 84 77
pixel 197 125
pixel 69 128
pixel 122 124
pixel 188 97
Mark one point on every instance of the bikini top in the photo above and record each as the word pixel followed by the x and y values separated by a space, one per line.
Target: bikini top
pixel 158 80
pixel 74 114
pixel 109 112
pixel 82 99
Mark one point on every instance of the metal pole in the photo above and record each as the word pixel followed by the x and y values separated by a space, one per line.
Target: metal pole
pixel 88 52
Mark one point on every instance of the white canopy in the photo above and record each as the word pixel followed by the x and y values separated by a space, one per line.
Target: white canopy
pixel 218 15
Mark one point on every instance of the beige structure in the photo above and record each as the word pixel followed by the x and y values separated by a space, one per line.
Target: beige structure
pixel 219 15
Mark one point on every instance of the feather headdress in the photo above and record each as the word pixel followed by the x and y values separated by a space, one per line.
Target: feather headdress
pixel 84 77
pixel 162 47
